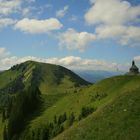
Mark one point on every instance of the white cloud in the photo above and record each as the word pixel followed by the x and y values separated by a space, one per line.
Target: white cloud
pixel 35 26
pixel 71 62
pixel 62 12
pixel 72 39
pixel 112 12
pixel 124 34
pixel 9 6
pixel 21 8
pixel 6 22
pixel 80 63
pixel 115 19
pixel 110 31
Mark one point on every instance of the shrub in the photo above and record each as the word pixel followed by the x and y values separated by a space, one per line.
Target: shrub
pixel 62 118
pixel 71 119
pixel 85 111
pixel 98 96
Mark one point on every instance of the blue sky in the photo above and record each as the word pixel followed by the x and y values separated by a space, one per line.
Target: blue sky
pixel 78 34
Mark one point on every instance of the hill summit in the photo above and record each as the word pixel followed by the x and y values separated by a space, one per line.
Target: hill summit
pixel 48 77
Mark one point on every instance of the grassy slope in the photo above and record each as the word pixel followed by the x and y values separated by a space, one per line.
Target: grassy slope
pixel 117 91
pixel 116 119
pixel 7 77
pixel 57 79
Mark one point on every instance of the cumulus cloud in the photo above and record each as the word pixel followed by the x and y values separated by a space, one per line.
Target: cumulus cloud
pixel 35 26
pixel 72 39
pixel 80 63
pixel 4 22
pixel 71 62
pixel 115 19
pixel 112 19
pixel 61 13
pixel 9 6
pixel 112 12
pixel 124 34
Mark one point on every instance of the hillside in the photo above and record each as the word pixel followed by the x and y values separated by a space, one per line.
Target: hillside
pixel 117 118
pixel 114 114
pixel 51 79
pixel 69 108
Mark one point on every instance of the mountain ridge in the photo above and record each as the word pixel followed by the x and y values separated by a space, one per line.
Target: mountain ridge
pixel 54 74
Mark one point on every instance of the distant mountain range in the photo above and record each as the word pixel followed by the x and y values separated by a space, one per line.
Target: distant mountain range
pixel 97 75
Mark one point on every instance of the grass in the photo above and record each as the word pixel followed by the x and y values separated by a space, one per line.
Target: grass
pixel 7 77
pixel 113 94
pixel 116 120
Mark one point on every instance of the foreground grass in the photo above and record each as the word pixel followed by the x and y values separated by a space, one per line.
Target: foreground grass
pixel 117 102
pixel 119 120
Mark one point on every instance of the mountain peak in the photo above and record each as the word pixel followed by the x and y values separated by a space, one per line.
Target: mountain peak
pixel 49 78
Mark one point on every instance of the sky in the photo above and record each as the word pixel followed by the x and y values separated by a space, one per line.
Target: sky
pixel 77 34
